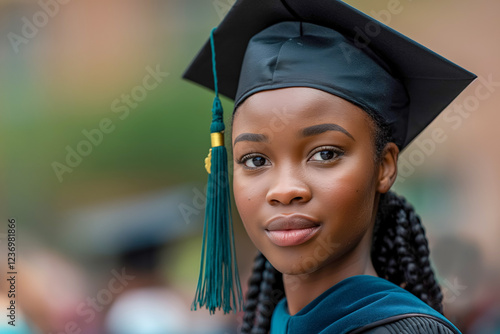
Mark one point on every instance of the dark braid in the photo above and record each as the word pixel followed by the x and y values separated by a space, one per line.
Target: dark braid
pixel 266 304
pixel 253 292
pixel 264 292
pixel 400 252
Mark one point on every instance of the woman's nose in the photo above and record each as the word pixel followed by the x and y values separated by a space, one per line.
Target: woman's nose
pixel 287 187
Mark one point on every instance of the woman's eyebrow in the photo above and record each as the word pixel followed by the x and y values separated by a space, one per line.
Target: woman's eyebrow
pixel 256 137
pixel 320 128
pixel 306 132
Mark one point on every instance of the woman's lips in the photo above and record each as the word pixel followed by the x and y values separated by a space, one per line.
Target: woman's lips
pixel 291 230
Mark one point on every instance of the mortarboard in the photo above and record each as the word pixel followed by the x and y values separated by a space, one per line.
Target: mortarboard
pixel 133 224
pixel 324 44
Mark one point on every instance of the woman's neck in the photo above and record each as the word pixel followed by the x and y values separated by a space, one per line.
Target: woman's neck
pixel 302 289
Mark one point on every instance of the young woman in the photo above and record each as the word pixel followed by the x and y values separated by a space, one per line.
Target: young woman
pixel 319 209
pixel 320 117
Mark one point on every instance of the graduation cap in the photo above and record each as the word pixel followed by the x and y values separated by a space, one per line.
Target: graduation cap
pixel 323 44
pixel 132 225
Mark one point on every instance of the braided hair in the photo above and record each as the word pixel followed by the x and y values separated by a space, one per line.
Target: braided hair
pixel 400 254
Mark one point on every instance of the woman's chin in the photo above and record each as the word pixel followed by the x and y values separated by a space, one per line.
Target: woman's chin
pixel 296 267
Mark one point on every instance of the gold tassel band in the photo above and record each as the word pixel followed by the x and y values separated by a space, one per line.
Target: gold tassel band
pixel 208 161
pixel 217 139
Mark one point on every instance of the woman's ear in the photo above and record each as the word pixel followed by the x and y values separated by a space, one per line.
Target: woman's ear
pixel 388 168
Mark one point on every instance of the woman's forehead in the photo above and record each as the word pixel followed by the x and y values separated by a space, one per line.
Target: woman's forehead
pixel 296 107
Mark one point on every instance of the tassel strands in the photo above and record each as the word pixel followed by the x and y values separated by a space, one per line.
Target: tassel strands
pixel 218 283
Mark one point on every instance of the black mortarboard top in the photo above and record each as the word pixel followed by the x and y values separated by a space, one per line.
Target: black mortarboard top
pixel 324 44
pixel 430 80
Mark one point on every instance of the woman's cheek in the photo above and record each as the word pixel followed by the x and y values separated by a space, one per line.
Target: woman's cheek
pixel 244 195
pixel 247 201
pixel 349 199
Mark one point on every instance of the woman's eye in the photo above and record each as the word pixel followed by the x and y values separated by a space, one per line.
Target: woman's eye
pixel 325 155
pixel 254 162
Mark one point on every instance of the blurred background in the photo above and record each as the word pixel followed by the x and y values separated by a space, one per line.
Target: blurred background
pixel 101 162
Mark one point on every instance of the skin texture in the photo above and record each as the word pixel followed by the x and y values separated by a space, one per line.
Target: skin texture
pixel 332 177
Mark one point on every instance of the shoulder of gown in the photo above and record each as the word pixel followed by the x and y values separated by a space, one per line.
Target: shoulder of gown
pixel 411 325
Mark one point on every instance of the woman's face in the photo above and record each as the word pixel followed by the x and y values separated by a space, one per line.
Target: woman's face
pixel 305 176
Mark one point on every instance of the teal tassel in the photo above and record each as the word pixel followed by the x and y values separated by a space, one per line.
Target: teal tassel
pixel 218 279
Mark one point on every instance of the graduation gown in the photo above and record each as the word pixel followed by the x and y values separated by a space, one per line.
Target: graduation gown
pixel 362 304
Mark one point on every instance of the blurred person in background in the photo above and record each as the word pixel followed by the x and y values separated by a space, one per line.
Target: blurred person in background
pixel 147 305
pixel 50 287
pixel 150 304
pixel 137 241
pixel 471 289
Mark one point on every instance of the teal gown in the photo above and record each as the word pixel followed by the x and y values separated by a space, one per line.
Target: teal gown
pixel 362 304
